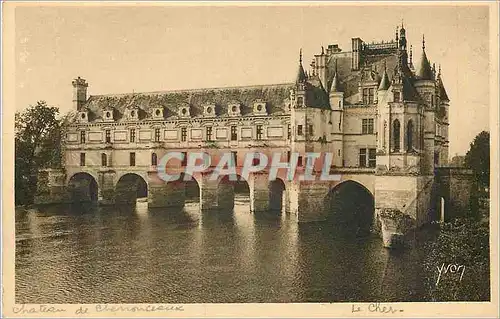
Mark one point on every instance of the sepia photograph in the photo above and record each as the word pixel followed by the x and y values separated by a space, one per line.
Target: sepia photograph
pixel 165 156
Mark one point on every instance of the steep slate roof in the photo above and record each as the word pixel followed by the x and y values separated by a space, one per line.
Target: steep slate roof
pixel 276 97
pixel 442 92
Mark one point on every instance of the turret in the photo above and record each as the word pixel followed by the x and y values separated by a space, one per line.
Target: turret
pixel 336 95
pixel 79 93
pixel 337 126
pixel 300 83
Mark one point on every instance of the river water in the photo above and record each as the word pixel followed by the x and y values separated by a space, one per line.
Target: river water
pixel 94 254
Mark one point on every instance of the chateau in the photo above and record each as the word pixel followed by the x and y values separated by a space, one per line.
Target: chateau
pixel 382 113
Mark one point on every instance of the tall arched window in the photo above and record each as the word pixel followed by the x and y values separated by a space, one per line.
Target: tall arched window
pixel 409 136
pixel 104 160
pixel 396 132
pixel 154 159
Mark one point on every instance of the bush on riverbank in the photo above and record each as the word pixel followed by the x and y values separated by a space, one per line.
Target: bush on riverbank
pixel 464 241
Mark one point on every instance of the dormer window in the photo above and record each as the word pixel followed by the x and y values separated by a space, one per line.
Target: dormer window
pixel 158 112
pixel 234 109
pixel 300 101
pixel 209 110
pixel 184 111
pixel 108 115
pixel 83 117
pixel 397 96
pixel 133 113
pixel 368 95
pixel 259 107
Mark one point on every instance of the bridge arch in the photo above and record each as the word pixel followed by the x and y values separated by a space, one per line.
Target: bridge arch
pixel 351 207
pixel 230 186
pixel 83 187
pixel 277 195
pixel 185 189
pixel 130 187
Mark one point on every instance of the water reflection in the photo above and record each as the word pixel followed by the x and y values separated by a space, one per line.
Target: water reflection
pixel 116 254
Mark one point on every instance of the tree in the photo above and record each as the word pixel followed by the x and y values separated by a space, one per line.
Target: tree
pixel 478 159
pixel 37 145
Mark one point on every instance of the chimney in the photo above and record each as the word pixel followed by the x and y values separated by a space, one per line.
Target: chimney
pixel 79 93
pixel 356 53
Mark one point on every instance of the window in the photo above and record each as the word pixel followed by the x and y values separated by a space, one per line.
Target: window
pixel 234 158
pixel 396 133
pixel 234 135
pixel 108 136
pixel 300 101
pixel 157 134
pixel 367 126
pixel 289 132
pixel 409 136
pixel 183 134
pixel 365 96
pixel 82 159
pixel 299 130
pixel 154 159
pixel 299 161
pixel 132 135
pixel 372 159
pixel 82 137
pixel 184 159
pixel 362 157
pixel 259 132
pixel 310 129
pixel 370 96
pixel 132 159
pixel 104 160
pixel 209 133
pixel 340 123
pixel 436 158
pixel 288 156
pixel 396 96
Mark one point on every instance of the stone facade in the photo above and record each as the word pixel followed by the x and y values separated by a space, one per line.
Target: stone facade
pixel 384 121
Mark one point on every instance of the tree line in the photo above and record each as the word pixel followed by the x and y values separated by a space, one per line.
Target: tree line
pixel 39 141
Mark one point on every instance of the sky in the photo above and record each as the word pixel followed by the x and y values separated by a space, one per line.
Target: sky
pixel 153 48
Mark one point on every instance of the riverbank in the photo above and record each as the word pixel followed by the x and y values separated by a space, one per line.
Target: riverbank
pixel 457 267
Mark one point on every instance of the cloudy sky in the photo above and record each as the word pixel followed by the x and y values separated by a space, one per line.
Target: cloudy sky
pixel 140 49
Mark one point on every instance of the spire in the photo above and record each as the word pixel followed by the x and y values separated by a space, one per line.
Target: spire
pixel 385 82
pixel 301 75
pixel 424 70
pixel 397 35
pixel 334 87
pixel 411 56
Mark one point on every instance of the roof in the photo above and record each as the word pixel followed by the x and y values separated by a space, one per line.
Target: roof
pixel 424 70
pixel 276 96
pixel 442 92
pixel 385 83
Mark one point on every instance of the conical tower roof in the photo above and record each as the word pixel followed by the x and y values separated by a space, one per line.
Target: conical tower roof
pixel 301 74
pixel 442 91
pixel 424 70
pixel 334 86
pixel 385 83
